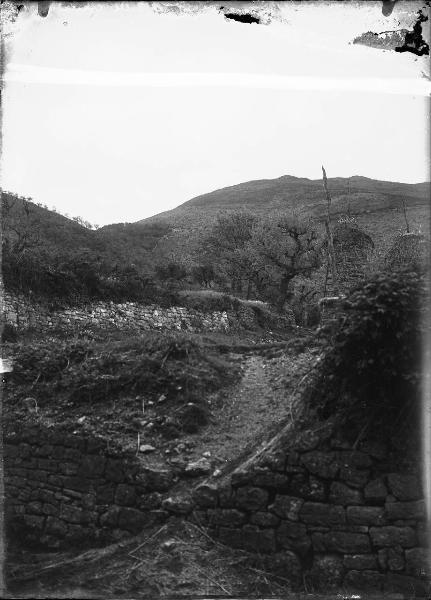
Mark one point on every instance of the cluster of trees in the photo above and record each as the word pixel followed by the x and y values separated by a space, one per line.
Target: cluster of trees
pixel 35 264
pixel 259 258
pixel 274 259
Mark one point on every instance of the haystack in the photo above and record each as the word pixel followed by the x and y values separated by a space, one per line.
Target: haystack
pixel 409 249
pixel 352 248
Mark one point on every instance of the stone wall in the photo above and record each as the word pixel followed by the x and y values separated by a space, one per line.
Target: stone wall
pixel 63 489
pixel 327 514
pixel 315 509
pixel 21 313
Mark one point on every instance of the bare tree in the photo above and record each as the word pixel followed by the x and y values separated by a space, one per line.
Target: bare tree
pixel 331 253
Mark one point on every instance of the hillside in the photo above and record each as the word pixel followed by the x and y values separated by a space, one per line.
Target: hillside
pixel 304 196
pixel 56 234
pixel 377 206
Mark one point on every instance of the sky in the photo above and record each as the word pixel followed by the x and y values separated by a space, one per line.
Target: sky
pixel 116 112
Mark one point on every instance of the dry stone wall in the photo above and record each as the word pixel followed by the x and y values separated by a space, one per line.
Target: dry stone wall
pixel 22 314
pixel 315 509
pixel 63 489
pixel 327 514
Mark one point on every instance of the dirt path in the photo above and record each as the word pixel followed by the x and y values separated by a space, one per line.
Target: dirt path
pixel 247 414
pixel 249 410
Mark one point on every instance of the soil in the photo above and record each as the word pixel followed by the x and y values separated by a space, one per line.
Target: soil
pixel 175 560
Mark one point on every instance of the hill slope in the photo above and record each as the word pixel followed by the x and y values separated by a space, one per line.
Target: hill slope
pixel 377 206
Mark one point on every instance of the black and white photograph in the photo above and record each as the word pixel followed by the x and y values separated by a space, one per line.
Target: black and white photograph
pixel 215 300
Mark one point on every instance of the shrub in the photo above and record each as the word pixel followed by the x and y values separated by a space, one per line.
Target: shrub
pixel 371 372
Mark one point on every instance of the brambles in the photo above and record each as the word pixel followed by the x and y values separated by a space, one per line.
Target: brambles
pixel 371 373
pixel 84 372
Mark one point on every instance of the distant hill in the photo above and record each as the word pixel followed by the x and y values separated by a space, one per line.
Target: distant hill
pixel 376 205
pixel 305 196
pixel 57 234
pixel 176 233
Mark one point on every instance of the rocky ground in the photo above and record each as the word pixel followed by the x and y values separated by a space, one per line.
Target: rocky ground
pixel 179 559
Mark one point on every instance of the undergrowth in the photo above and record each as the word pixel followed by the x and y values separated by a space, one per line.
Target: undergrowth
pixel 84 372
pixel 370 375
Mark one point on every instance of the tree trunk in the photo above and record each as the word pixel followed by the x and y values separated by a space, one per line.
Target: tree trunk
pixel 331 253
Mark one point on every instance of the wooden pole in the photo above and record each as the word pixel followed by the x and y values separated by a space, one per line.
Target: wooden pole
pixel 331 254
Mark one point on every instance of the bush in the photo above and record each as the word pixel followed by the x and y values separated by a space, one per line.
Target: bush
pixel 371 372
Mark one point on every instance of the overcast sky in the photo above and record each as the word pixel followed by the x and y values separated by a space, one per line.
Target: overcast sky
pixel 116 112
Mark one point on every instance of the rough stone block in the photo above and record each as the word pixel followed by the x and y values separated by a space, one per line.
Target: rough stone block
pixel 325 515
pixel 10 451
pixel 269 479
pixel 418 562
pixel 293 536
pixel 342 494
pixel 47 464
pixel 69 454
pixel 405 510
pixel 74 515
pixel 133 520
pixel 307 440
pixel 179 505
pixel 49 509
pixel 356 478
pixel 340 541
pixel 322 464
pixel 264 519
pixel 375 491
pixel 34 522
pixel 366 515
pixel 258 540
pixel 34 508
pixel 251 498
pixel 125 495
pixel 226 517
pixel 67 468
pixel 78 484
pixel 206 496
pixel 287 507
pixel 150 501
pixel 327 572
pixel 275 461
pixel 391 558
pixel 354 458
pixel 92 466
pixel 364 581
pixel 159 480
pixel 404 487
pixel 226 496
pixel 45 450
pixel 412 587
pixel 55 527
pixel 114 470
pixel 310 488
pixel 360 562
pixel 95 444
pixel 393 536
pixel 110 517
pixel 240 477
